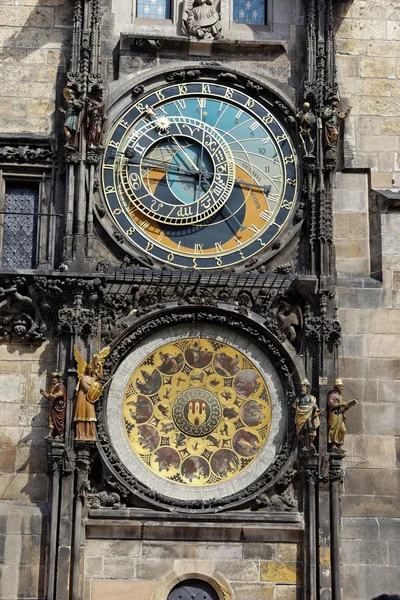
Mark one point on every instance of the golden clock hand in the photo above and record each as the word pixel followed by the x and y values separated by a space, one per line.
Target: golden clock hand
pixel 182 150
pixel 264 188
pixel 166 165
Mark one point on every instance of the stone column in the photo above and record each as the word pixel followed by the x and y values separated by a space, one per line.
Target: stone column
pixel 335 478
pixel 55 449
pixel 83 451
pixel 308 465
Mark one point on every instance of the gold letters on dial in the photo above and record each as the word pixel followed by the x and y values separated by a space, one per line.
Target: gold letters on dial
pixel 197 411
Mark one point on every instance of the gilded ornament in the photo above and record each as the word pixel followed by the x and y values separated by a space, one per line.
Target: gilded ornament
pixel 196 411
pixel 89 390
pixel 337 409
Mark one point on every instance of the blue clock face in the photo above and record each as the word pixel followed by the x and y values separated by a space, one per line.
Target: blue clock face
pixel 199 175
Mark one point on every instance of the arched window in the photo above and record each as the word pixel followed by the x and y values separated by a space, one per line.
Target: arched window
pixel 249 12
pixel 193 589
pixel 153 9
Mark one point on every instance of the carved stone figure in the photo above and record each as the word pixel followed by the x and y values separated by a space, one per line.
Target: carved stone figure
pixel 332 119
pixel 57 397
pixel 89 390
pixel 17 315
pixel 307 122
pixel 94 120
pixel 337 409
pixel 290 318
pixel 201 19
pixel 307 415
pixel 72 114
pixel 106 499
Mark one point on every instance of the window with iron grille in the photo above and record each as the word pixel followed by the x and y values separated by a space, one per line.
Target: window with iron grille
pixel 20 225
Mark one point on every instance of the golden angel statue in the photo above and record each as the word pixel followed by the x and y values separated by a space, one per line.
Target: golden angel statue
pixel 201 19
pixel 89 390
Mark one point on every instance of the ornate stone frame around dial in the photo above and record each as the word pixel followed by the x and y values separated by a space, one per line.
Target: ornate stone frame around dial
pixel 250 327
pixel 276 98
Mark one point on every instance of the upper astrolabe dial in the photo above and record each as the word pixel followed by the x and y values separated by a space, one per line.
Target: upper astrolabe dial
pixel 199 175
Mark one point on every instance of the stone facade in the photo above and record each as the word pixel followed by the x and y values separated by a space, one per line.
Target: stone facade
pixel 261 561
pixel 258 569
pixel 34 50
pixel 24 484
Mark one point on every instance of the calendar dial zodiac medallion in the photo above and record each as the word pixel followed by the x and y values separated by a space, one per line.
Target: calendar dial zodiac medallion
pixel 196 412
pixel 199 175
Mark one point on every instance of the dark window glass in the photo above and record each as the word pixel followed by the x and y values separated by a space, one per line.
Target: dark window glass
pixel 20 230
pixel 193 589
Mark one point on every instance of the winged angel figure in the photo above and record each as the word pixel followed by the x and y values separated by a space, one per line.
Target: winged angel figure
pixel 89 390
pixel 201 19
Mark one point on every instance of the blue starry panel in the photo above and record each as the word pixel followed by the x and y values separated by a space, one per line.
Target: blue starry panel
pixel 153 9
pixel 250 12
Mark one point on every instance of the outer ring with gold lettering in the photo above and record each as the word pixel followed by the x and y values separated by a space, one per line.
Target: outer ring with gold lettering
pixel 263 197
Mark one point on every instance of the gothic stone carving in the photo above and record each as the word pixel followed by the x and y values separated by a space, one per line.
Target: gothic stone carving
pixel 281 498
pixel 25 154
pixel 201 19
pixel 18 318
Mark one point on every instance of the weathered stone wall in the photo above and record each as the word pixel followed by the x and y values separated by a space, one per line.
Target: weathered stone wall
pixel 370 365
pixel 34 37
pixel 368 43
pixel 367 243
pixel 135 568
pixel 23 484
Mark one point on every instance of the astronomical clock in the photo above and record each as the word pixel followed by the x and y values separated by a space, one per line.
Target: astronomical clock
pixel 198 174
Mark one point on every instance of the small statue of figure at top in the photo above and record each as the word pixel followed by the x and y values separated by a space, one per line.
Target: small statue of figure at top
pixel 72 118
pixel 337 409
pixel 307 121
pixel 307 415
pixel 201 19
pixel 332 119
pixel 89 389
pixel 95 118
pixel 57 397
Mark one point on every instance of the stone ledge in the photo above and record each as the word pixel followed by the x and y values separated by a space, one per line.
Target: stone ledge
pixel 183 46
pixel 146 515
pixel 198 531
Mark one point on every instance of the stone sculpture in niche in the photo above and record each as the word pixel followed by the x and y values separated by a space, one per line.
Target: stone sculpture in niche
pixel 337 409
pixel 332 119
pixel 201 19
pixel 307 121
pixel 89 390
pixel 57 397
pixel 307 415
pixel 72 117
pixel 95 118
